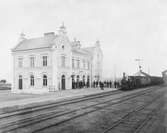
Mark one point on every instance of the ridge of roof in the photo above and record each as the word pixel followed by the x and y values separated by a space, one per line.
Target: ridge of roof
pixel 140 73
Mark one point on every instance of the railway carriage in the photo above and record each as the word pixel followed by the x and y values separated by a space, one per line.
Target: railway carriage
pixel 133 82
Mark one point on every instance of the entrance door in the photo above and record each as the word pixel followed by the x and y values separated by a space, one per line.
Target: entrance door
pixel 63 82
pixel 20 82
pixel 78 86
pixel 88 81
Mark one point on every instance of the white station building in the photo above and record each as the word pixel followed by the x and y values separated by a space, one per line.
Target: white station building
pixel 53 62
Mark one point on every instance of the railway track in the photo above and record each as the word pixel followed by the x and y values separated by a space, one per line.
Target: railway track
pixel 44 129
pixel 137 125
pixel 28 122
pixel 31 108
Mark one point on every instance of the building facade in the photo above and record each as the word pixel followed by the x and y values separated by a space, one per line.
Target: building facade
pixel 53 62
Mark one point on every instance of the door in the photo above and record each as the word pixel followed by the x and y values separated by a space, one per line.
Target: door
pixel 20 82
pixel 63 82
pixel 78 81
pixel 88 81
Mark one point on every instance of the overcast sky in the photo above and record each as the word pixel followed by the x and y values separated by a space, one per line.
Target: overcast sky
pixel 127 29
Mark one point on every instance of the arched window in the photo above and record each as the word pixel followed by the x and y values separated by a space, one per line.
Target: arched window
pixel 44 80
pixel 32 80
pixel 20 76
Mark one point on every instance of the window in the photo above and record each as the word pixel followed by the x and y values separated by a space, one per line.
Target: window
pixel 73 63
pixel 63 47
pixel 32 63
pixel 20 62
pixel 20 85
pixel 63 61
pixel 32 80
pixel 83 64
pixel 45 60
pixel 88 65
pixel 44 80
pixel 78 63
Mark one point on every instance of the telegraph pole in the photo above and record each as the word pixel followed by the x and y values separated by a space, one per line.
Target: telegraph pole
pixel 139 63
pixel 115 72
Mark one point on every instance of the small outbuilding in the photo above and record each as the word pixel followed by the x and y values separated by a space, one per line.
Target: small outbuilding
pixel 164 76
pixel 144 77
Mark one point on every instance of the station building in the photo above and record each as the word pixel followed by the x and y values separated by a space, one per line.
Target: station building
pixel 54 62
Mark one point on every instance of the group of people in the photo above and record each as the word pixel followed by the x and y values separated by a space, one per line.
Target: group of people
pixel 80 84
pixel 95 84
pixel 106 84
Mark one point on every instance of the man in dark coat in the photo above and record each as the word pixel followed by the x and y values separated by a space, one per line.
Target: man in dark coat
pixel 115 84
pixel 101 85
pixel 110 84
pixel 94 84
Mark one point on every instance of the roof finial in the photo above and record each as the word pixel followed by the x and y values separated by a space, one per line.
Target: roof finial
pixel 62 29
pixel 97 43
pixel 22 36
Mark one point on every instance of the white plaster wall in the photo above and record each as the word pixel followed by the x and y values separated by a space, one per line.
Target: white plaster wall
pixel 37 71
pixel 97 68
pixel 81 71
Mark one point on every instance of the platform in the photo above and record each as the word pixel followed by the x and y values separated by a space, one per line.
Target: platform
pixel 8 99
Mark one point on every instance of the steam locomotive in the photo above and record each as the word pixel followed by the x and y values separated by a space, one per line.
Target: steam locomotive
pixel 134 82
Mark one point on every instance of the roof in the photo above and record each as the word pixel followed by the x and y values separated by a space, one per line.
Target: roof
pixel 46 42
pixel 35 43
pixel 141 73
pixel 164 71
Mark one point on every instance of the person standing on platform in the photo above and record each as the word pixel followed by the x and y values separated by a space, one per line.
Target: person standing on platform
pixel 110 84
pixel 115 84
pixel 94 84
pixel 101 85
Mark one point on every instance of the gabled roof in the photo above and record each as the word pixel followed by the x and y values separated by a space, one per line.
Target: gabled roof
pixel 35 43
pixel 141 73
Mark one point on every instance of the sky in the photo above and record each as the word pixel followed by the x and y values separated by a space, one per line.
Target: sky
pixel 127 30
